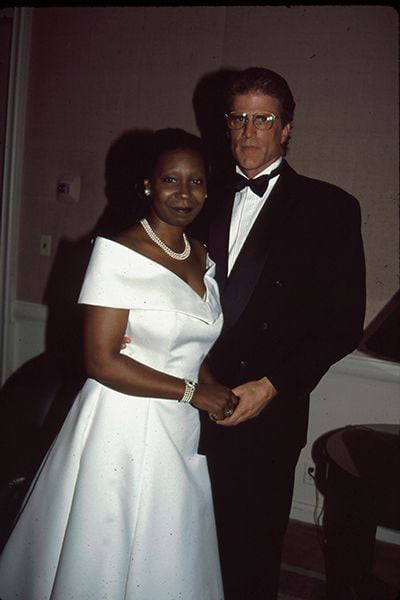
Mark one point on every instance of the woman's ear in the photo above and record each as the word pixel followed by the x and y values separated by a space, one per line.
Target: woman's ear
pixel 147 190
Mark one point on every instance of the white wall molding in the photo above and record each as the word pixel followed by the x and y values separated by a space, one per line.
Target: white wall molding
pixel 29 311
pixel 12 178
pixel 28 329
pixel 356 365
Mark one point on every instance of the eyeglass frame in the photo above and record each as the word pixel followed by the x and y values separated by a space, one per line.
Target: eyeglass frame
pixel 246 115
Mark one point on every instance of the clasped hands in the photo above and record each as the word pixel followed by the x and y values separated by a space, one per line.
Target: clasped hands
pixel 231 407
pixel 251 398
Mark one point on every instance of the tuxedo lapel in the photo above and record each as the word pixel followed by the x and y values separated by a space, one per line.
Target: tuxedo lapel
pixel 251 261
pixel 219 238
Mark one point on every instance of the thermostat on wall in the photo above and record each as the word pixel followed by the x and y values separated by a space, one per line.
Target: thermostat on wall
pixel 68 188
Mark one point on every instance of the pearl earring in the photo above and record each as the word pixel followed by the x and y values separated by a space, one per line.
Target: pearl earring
pixel 147 192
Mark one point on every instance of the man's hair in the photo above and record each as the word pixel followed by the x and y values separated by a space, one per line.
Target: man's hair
pixel 258 79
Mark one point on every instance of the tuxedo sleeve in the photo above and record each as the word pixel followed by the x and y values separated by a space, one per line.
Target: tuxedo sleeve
pixel 338 306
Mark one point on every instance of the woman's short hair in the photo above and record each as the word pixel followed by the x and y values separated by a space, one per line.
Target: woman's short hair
pixel 166 140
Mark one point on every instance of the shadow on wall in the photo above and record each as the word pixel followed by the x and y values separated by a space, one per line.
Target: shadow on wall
pixel 209 108
pixel 124 173
pixel 125 169
pixel 37 397
pixel 381 337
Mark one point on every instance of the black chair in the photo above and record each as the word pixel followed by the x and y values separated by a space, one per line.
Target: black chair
pixel 358 472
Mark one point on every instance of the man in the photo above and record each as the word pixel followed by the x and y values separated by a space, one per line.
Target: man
pixel 290 267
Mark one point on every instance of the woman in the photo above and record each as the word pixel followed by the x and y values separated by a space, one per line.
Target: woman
pixel 121 508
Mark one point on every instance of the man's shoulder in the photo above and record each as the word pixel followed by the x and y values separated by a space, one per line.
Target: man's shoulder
pixel 318 191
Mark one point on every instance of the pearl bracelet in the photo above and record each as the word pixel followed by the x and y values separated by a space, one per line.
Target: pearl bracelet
pixel 190 388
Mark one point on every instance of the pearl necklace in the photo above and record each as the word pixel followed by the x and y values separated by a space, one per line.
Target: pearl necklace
pixel 153 236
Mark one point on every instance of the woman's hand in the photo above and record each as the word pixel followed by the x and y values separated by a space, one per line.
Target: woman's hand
pixel 218 400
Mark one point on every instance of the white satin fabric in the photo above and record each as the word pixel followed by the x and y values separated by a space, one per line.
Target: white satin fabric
pixel 121 508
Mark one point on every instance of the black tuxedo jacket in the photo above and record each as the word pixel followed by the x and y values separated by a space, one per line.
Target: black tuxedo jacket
pixel 293 304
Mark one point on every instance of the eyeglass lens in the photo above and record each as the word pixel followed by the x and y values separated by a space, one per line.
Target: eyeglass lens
pixel 260 120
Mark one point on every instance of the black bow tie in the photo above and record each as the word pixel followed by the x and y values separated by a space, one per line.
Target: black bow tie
pixel 257 185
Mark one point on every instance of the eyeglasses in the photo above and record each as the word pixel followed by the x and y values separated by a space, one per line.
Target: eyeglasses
pixel 262 121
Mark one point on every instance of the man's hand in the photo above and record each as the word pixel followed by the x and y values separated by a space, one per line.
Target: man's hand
pixel 253 398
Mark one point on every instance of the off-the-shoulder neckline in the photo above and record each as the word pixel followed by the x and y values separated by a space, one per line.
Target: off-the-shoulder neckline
pixel 210 264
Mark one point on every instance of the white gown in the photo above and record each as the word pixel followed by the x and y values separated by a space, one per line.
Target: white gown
pixel 121 508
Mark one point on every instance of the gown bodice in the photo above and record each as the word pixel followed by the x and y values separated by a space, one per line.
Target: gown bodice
pixel 172 328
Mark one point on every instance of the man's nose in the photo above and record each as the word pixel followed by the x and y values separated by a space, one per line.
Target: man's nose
pixel 249 129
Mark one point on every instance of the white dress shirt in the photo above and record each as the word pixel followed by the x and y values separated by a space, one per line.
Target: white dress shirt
pixel 246 208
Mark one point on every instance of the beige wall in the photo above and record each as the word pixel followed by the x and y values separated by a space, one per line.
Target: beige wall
pixel 98 72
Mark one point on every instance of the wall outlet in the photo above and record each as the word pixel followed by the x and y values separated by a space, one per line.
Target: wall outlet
pixel 309 472
pixel 45 245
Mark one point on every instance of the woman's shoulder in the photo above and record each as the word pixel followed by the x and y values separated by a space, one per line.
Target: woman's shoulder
pixel 116 274
pixel 117 254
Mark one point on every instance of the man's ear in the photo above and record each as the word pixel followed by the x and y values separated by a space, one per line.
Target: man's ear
pixel 285 133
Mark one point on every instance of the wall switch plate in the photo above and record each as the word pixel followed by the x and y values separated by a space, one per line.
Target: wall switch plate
pixel 69 188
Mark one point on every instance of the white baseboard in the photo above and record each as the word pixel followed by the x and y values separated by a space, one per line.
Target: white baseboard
pixel 30 311
pixel 28 328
